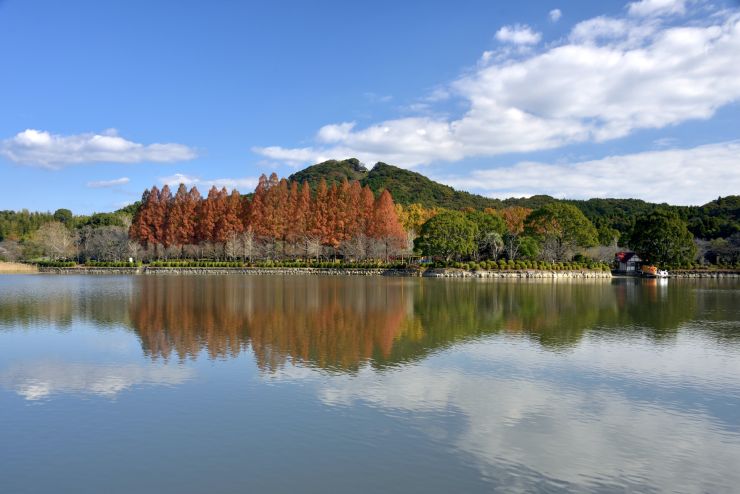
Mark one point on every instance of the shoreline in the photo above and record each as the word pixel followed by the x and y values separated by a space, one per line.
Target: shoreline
pixel 429 273
pixel 391 272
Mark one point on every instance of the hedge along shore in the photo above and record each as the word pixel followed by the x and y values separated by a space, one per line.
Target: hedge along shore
pixel 432 273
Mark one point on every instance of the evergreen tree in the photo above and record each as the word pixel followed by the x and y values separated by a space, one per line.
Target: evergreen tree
pixel 662 238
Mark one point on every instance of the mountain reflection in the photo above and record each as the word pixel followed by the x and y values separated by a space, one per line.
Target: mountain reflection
pixel 341 323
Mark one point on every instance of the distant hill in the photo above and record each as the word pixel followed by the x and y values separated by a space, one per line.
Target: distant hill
pixel 405 186
pixel 409 187
pixel 331 171
pixel 719 218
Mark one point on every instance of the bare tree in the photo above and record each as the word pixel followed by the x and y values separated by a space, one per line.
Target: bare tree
pixel 248 245
pixel 511 245
pixel 55 240
pixel 10 250
pixel 408 248
pixel 106 243
pixel 311 245
pixel 133 249
pixel 357 247
pixel 232 246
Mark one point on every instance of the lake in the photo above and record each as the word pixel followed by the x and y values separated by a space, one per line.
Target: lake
pixel 191 384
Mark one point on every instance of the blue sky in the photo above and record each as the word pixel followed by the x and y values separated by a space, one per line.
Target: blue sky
pixel 573 99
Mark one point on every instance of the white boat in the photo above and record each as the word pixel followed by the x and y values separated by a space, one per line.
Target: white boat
pixel 661 273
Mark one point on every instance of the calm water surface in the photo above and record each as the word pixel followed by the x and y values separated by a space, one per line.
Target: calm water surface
pixel 185 384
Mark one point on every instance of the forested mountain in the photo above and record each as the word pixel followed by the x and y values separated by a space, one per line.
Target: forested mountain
pixel 331 171
pixel 405 186
pixel 717 219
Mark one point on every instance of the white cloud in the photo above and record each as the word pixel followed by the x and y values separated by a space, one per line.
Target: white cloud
pixel 555 15
pixel 518 34
pixel 644 8
pixel 657 176
pixel 245 184
pixel 97 184
pixel 40 380
pixel 572 432
pixel 41 148
pixel 609 78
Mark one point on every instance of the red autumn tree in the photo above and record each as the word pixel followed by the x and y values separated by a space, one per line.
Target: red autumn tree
pixel 385 226
pixel 354 223
pixel 332 232
pixel 514 217
pixel 319 218
pixel 161 215
pixel 245 213
pixel 182 219
pixel 257 208
pixel 345 216
pixel 208 216
pixel 279 210
pixel 366 210
pixel 228 222
pixel 294 224
pixel 141 228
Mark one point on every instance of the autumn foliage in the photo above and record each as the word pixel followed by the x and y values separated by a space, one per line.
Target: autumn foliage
pixel 289 217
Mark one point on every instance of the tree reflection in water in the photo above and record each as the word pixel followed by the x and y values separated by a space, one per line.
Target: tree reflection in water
pixel 342 323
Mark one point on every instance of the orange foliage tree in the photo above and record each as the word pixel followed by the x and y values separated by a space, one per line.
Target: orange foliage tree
pixel 286 216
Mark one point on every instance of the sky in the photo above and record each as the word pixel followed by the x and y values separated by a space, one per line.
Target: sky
pixel 575 99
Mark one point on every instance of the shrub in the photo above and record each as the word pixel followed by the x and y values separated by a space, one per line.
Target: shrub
pixel 56 264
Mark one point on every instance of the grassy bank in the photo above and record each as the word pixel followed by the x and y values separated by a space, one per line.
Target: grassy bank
pixel 16 267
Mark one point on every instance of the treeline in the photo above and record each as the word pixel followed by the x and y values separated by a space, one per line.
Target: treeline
pixel 342 210
pixel 281 219
pixel 62 235
pixel 21 225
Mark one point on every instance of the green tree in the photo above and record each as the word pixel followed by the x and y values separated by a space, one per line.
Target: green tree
pixel 561 228
pixel 662 238
pixel 489 238
pixel 529 248
pixel 449 234
pixel 63 216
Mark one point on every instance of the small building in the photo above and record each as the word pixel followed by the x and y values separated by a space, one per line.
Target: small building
pixel 627 262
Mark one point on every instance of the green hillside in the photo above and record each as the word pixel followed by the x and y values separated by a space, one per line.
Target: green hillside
pixel 407 187
pixel 717 219
pixel 331 171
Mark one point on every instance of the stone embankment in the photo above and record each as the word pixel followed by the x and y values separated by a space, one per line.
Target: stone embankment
pixel 189 271
pixel 518 274
pixel 704 274
pixel 432 273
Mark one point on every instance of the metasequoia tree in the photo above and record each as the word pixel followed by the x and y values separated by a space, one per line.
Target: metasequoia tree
pixel 182 217
pixel 208 216
pixel 144 227
pixel 385 227
pixel 281 217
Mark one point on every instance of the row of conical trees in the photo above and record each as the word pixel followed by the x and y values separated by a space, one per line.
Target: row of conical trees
pixel 278 211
